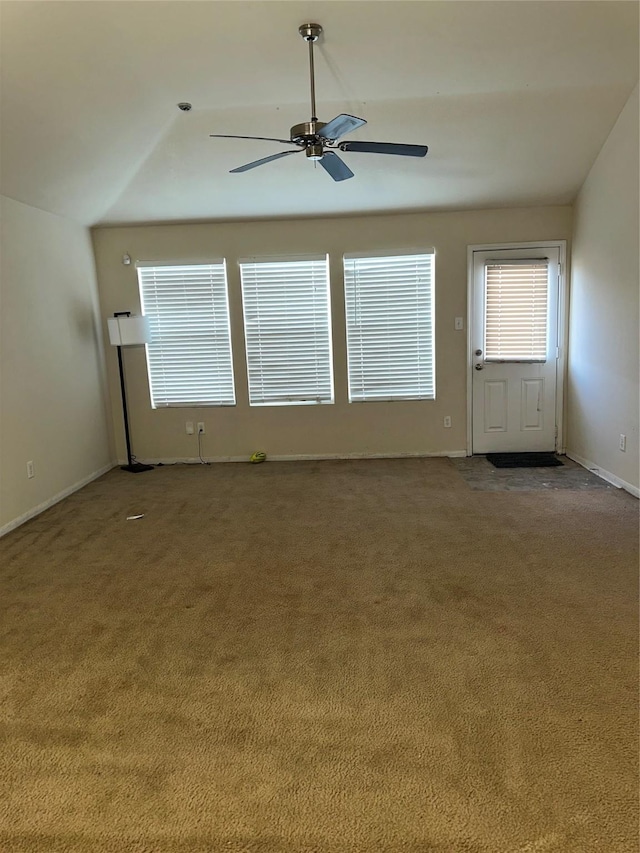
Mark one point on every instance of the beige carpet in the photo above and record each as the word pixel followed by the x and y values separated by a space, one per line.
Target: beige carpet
pixel 336 657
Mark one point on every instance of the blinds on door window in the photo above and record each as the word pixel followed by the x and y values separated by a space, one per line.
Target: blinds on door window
pixel 516 310
pixel 287 330
pixel 189 359
pixel 390 341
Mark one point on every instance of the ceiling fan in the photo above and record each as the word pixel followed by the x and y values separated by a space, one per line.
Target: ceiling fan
pixel 318 138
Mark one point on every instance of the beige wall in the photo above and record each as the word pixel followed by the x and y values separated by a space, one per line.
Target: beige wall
pixel 52 383
pixel 343 428
pixel 603 355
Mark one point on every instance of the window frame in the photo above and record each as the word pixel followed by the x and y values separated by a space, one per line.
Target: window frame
pixel 253 381
pixel 355 351
pixel 507 306
pixel 217 267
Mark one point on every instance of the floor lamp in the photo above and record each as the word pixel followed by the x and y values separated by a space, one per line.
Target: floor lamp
pixel 128 331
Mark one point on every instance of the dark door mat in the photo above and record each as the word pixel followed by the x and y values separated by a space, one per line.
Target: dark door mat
pixel 523 460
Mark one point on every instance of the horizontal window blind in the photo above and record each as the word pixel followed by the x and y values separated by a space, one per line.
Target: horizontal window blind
pixel 516 310
pixel 287 331
pixel 189 359
pixel 390 315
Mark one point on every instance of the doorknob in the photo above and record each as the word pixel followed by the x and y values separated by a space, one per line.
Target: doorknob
pixel 478 352
pixel 479 367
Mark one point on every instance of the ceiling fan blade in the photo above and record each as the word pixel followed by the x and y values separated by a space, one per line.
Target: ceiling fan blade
pixel 255 163
pixel 340 125
pixel 385 148
pixel 336 167
pixel 262 138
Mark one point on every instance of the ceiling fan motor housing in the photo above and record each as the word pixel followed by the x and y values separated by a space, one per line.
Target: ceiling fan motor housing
pixel 307 131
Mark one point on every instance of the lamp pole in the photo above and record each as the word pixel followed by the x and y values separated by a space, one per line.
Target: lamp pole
pixel 131 466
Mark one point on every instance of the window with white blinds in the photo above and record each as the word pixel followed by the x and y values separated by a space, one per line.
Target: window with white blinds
pixel 189 359
pixel 287 330
pixel 390 318
pixel 516 310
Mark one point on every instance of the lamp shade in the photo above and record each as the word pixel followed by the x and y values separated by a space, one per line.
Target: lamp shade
pixel 128 331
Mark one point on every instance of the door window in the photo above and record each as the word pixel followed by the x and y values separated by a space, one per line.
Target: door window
pixel 516 310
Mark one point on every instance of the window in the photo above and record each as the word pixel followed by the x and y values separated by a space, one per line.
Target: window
pixel 390 342
pixel 287 330
pixel 516 310
pixel 189 360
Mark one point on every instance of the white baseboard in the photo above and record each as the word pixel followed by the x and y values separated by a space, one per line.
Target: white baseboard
pixel 11 525
pixel 605 475
pixel 302 457
pixel 320 456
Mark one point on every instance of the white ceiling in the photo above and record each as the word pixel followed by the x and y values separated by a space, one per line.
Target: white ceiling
pixel 514 99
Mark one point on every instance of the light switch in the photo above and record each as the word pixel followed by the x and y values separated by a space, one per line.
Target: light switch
pixel 459 324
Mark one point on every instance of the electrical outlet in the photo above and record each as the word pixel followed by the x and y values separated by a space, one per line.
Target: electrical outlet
pixel 201 428
pixel 30 472
pixel 189 426
pixel 622 444
pixel 447 421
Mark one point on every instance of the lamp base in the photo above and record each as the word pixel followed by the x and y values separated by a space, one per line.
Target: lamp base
pixel 136 468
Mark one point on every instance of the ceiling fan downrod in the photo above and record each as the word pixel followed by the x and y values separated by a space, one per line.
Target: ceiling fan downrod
pixel 310 33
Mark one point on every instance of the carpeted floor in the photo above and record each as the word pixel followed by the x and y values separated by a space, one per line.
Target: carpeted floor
pixel 330 657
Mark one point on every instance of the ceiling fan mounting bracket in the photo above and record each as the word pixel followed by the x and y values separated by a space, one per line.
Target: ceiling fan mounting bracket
pixel 310 32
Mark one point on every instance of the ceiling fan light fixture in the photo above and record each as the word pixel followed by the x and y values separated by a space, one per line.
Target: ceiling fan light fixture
pixel 314 151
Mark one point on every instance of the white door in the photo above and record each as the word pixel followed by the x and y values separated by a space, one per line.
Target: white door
pixel 514 357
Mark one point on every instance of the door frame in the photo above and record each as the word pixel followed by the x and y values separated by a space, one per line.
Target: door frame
pixel 563 328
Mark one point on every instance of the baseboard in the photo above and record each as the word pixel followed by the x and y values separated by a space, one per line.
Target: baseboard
pixel 303 457
pixel 320 456
pixel 605 475
pixel 7 528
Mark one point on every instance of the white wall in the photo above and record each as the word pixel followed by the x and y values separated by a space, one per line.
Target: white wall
pixel 603 375
pixel 402 427
pixel 52 382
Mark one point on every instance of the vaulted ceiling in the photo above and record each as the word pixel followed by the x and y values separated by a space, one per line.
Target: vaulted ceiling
pixel 514 100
